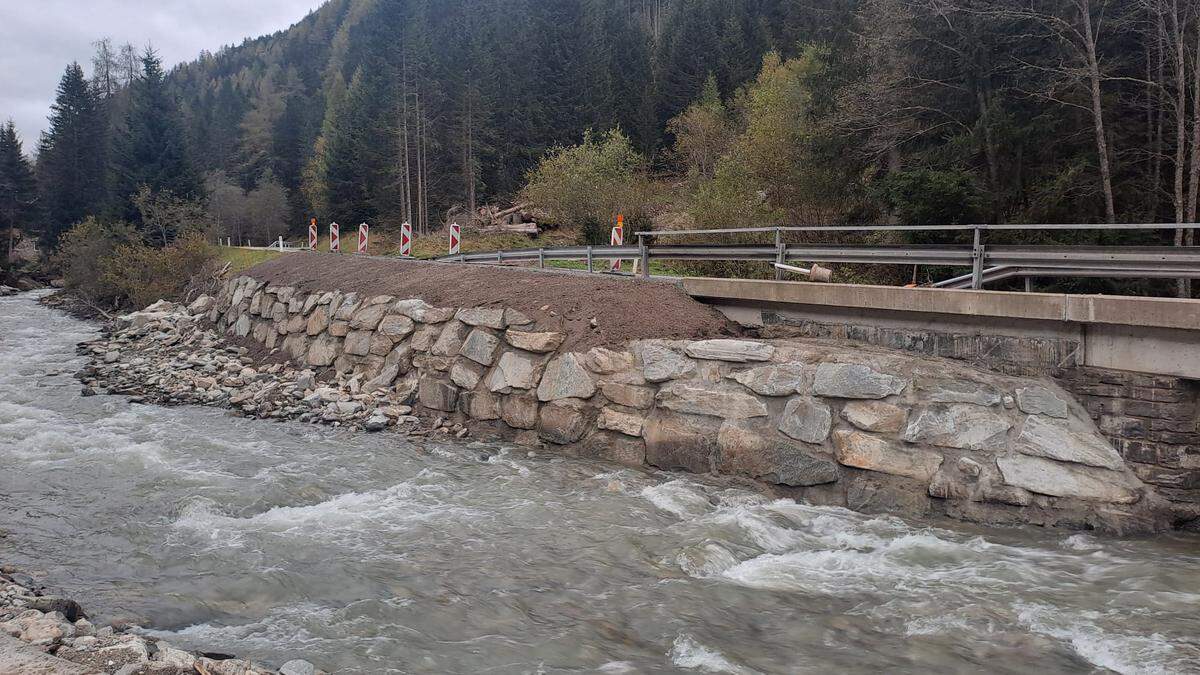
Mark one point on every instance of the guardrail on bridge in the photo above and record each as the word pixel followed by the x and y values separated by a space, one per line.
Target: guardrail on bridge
pixel 987 262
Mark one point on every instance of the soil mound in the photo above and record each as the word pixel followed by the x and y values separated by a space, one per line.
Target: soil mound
pixel 624 308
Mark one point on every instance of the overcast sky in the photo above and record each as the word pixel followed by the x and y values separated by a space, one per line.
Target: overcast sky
pixel 38 38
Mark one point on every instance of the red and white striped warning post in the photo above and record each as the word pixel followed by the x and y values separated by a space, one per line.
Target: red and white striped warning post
pixel 312 234
pixel 618 239
pixel 364 232
pixel 455 238
pixel 335 245
pixel 406 240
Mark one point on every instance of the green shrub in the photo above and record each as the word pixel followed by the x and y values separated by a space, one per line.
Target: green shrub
pixel 590 183
pixel 109 265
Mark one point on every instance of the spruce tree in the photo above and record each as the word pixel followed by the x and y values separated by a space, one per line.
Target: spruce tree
pixel 71 156
pixel 151 149
pixel 18 190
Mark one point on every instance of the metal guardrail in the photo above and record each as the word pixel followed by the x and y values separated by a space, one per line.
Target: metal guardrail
pixel 988 263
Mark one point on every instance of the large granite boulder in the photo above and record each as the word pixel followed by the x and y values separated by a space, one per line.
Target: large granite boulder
pixel 852 380
pixel 743 450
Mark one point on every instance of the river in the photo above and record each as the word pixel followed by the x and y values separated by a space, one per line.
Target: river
pixel 371 553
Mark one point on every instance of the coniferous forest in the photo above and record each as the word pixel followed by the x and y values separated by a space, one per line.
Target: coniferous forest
pixel 752 112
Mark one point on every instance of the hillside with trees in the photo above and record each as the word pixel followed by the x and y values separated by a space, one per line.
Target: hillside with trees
pixel 708 112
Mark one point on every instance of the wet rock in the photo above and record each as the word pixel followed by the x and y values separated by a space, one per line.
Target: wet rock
pixel 65 606
pixel 784 379
pixel 863 451
pixel 297 667
pixel 1041 401
pixel 614 447
pixel 737 351
pixel 172 657
pixel 1042 437
pixel 225 667
pixel 534 342
pixel 714 401
pixel 744 451
pixel 1057 479
pixel 376 422
pixel 564 421
pixel 681 442
pixel 519 411
pixel 851 380
pixel 491 317
pixel 806 419
pixel 480 405
pixel 629 395
pixel 565 377
pixel 964 426
pixel 875 416
pixel 661 363
pixel 480 346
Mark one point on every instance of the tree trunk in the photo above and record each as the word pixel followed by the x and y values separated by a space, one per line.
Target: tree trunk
pixel 1180 105
pixel 1093 64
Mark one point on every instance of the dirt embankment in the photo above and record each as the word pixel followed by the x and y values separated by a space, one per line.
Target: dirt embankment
pixel 624 309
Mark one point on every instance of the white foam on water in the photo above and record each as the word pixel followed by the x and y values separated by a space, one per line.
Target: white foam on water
pixel 1121 653
pixel 708 559
pixel 356 513
pixel 687 652
pixel 618 667
pixel 679 498
pixel 1081 542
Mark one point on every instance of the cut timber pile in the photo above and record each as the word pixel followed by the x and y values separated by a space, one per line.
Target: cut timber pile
pixel 513 220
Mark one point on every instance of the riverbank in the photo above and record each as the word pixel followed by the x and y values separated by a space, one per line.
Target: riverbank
pixel 826 423
pixel 63 640
pixel 367 552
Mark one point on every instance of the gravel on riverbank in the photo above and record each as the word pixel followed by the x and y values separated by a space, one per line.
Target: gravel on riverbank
pixel 59 628
pixel 593 310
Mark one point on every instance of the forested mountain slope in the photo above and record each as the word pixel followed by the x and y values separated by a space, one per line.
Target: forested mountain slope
pixel 481 88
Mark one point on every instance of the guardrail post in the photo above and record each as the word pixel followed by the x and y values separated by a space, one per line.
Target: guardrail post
pixel 779 254
pixel 589 257
pixel 977 258
pixel 645 255
pixel 542 258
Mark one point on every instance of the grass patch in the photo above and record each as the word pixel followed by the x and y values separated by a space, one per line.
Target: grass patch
pixel 240 258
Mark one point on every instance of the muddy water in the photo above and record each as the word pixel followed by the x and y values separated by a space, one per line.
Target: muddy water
pixel 366 553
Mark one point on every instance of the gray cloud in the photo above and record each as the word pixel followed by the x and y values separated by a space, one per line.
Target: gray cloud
pixel 38 38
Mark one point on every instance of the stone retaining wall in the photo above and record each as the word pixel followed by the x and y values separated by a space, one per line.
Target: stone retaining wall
pixel 1152 420
pixel 870 429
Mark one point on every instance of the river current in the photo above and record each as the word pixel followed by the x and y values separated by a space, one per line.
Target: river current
pixel 372 553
